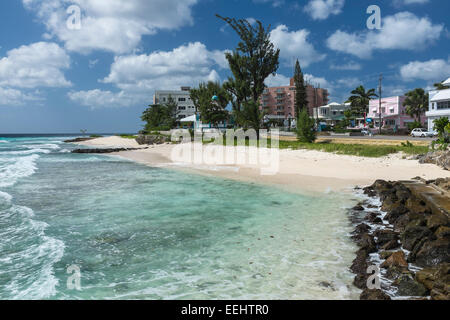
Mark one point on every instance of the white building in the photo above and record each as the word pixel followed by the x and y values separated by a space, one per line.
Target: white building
pixel 331 113
pixel 439 105
pixel 185 108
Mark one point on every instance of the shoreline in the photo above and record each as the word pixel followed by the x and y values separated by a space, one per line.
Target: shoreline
pixel 300 171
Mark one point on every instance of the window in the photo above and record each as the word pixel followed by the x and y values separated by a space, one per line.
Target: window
pixel 181 99
pixel 391 110
pixel 181 108
pixel 443 105
pixel 390 122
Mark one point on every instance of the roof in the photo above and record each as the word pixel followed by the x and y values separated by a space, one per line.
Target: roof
pixel 446 82
pixel 441 95
pixel 192 118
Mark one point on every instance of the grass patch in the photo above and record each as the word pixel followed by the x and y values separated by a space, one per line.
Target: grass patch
pixel 361 150
pixel 127 136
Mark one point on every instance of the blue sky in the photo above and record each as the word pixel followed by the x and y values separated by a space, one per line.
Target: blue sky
pixel 56 79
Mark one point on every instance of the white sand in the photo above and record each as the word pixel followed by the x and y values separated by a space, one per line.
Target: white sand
pixel 299 170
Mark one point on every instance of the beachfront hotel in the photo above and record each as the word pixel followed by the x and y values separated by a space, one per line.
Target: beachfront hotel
pixel 182 97
pixel 331 113
pixel 439 105
pixel 279 102
pixel 393 113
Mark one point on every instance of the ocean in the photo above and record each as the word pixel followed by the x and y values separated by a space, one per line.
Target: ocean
pixel 137 232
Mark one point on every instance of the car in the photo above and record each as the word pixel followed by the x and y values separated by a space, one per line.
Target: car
pixel 418 132
pixel 366 132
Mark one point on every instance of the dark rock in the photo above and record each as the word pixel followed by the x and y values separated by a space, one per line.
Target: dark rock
pixel 393 244
pixel 366 242
pixel 78 140
pixel 412 235
pixel 385 254
pixel 436 220
pixel 396 212
pixel 104 150
pixel 433 253
pixel 385 236
pixel 373 217
pixel 402 222
pixel 395 272
pixel 358 208
pixel 415 205
pixel 407 286
pixel 443 232
pixel 362 228
pixel 374 294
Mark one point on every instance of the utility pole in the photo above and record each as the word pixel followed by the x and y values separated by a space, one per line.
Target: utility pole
pixel 379 96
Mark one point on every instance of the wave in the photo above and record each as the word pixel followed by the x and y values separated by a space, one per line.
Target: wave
pixel 30 259
pixel 21 168
pixel 4 141
pixel 26 152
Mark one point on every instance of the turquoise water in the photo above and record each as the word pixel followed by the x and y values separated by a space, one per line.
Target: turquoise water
pixel 138 232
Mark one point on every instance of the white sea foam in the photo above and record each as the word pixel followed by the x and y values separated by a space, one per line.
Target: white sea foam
pixel 26 152
pixel 5 197
pixel 22 167
pixel 4 141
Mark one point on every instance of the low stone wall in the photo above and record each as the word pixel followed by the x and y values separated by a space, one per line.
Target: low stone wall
pixel 404 229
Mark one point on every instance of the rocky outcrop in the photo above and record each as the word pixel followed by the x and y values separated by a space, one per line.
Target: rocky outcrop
pixel 440 158
pixel 152 139
pixel 105 150
pixel 78 140
pixel 415 229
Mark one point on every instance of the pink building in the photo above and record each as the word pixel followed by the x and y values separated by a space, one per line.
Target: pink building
pixel 279 102
pixel 393 113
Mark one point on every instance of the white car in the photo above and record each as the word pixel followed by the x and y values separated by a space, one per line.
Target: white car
pixel 421 133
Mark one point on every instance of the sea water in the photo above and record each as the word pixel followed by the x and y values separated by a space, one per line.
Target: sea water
pixel 137 232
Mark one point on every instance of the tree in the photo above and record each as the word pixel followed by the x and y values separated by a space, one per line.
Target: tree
pixel 416 103
pixel 254 59
pixel 161 117
pixel 211 111
pixel 440 86
pixel 440 125
pixel 301 101
pixel 305 127
pixel 360 100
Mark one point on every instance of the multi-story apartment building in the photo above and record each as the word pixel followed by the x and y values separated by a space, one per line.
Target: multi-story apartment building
pixel 393 113
pixel 279 102
pixel 185 108
pixel 439 105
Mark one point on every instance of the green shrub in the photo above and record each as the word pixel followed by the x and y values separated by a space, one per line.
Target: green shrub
pixel 305 128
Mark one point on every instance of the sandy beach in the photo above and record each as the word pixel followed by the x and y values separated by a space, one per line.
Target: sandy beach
pixel 304 171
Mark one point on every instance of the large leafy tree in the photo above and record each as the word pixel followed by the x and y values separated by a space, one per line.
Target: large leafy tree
pixel 301 101
pixel 416 103
pixel 211 111
pixel 254 59
pixel 160 116
pixel 360 100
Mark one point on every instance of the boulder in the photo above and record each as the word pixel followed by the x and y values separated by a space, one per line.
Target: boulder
pixel 152 139
pixel 415 205
pixel 385 254
pixel 409 287
pixel 427 277
pixel 401 223
pixel 367 243
pixel 442 232
pixel 396 259
pixel 412 235
pixel 373 217
pixel 393 244
pixel 437 219
pixel 396 212
pixel 358 207
pixel 385 236
pixel 433 253
pixel 374 294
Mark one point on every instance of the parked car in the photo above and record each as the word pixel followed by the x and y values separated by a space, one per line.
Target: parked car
pixel 366 132
pixel 421 133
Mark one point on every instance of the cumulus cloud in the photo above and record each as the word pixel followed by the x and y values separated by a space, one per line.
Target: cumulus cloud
pixel 275 3
pixel 403 30
pixel 137 76
pixel 322 9
pixel 295 44
pixel 432 70
pixel 111 25
pixel 37 65
pixel 346 66
pixel 13 97
pixel 406 2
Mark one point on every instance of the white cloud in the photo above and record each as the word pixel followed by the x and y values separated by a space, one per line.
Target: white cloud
pixel 432 70
pixel 37 65
pixel 111 25
pixel 322 9
pixel 317 81
pixel 407 2
pixel 277 80
pixel 403 30
pixel 13 97
pixel 137 76
pixel 294 44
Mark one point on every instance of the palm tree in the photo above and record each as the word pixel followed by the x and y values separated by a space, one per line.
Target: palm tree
pixel 360 100
pixel 416 103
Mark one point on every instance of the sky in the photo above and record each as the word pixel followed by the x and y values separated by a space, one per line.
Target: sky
pixel 61 74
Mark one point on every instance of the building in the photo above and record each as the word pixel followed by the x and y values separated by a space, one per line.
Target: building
pixel 185 108
pixel 331 113
pixel 393 113
pixel 439 105
pixel 279 102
